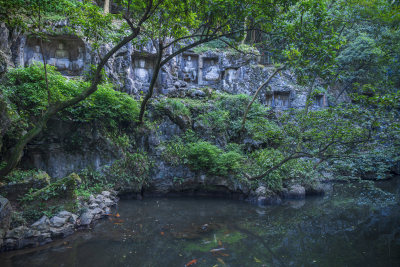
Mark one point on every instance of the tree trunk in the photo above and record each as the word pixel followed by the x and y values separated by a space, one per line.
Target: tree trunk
pixel 106 6
pixel 152 83
pixel 16 151
pixel 255 96
pixel 157 68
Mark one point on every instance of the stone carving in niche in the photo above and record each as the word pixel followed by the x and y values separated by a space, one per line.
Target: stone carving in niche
pixel 143 69
pixel 278 99
pixel 143 64
pixel 79 63
pixel 211 71
pixel 141 73
pixel 319 101
pixel 61 58
pixel 36 56
pixel 67 53
pixel 189 68
pixel 230 75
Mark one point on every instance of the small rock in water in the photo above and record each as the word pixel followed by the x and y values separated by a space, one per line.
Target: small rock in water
pixel 66 230
pixel 73 218
pixel 106 193
pixel 295 192
pixel 92 199
pixel 107 211
pixel 96 211
pixel 94 205
pixel 86 218
pixel 108 202
pixel 64 214
pixel 58 221
pixel 42 224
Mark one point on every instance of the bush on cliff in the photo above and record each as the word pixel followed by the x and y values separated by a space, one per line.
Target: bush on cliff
pixel 25 88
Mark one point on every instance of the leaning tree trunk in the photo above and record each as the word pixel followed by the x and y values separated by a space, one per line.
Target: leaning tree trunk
pixel 106 6
pixel 255 96
pixel 152 83
pixel 161 62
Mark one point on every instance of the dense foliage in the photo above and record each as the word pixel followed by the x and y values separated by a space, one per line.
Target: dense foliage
pixel 27 97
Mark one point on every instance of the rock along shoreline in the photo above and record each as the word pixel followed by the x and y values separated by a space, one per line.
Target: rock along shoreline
pixel 63 224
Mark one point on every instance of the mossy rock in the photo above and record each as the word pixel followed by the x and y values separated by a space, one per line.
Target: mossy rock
pixel 21 182
pixel 51 199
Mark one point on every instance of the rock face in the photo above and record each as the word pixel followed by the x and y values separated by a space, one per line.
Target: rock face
pixel 5 120
pixel 5 217
pixel 295 192
pixel 69 147
pixel 131 70
pixel 46 230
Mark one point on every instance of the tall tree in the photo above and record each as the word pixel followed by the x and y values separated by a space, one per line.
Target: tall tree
pixel 106 6
pixel 207 21
pixel 304 39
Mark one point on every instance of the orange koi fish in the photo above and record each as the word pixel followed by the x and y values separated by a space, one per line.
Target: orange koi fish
pixel 191 263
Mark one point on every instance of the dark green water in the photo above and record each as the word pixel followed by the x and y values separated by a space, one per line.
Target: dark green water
pixel 354 225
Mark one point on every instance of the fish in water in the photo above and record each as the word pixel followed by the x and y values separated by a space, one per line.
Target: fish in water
pixel 217 249
pixel 191 262
pixel 221 261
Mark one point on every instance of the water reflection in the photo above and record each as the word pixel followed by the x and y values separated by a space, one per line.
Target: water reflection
pixel 355 225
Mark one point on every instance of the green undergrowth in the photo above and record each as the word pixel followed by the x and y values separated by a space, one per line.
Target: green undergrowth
pixel 57 196
pixel 25 91
pixel 220 114
pixel 20 176
pixel 130 173
pixel 201 155
pixel 216 146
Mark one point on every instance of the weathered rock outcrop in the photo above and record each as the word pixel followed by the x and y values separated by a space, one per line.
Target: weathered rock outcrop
pixel 131 70
pixel 5 217
pixel 69 147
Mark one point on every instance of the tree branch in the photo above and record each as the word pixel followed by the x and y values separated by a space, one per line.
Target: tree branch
pixel 256 94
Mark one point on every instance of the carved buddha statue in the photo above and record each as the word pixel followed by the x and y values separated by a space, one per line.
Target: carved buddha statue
pixel 36 56
pixel 230 75
pixel 189 70
pixel 78 64
pixel 212 73
pixel 61 58
pixel 141 73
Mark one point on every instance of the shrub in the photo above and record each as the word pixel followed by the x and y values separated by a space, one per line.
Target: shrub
pixel 216 121
pixel 18 176
pixel 203 156
pixel 176 106
pixel 266 131
pixel 26 90
pixel 132 171
pixel 264 159
pixel 207 157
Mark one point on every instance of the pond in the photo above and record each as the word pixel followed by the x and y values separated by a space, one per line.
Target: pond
pixel 353 225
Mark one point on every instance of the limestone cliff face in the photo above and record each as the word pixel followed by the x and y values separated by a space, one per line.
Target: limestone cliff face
pixel 131 69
